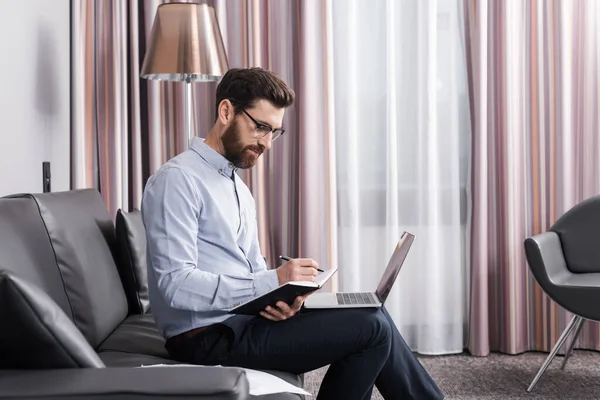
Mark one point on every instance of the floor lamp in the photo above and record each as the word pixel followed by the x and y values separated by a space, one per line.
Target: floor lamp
pixel 185 46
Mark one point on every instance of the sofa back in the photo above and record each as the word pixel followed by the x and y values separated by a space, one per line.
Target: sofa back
pixel 81 238
pixel 26 251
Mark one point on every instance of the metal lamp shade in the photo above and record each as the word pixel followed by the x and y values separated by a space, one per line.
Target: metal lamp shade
pixel 185 45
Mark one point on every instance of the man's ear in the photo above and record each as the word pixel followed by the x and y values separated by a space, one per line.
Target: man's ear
pixel 225 112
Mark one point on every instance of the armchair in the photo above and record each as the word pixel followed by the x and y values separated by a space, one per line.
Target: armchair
pixel 565 262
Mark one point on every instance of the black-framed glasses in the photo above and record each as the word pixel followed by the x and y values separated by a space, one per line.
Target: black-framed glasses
pixel 263 130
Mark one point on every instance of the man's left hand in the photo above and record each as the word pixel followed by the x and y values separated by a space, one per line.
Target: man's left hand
pixel 283 311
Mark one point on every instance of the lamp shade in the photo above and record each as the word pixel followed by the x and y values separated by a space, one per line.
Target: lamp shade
pixel 185 44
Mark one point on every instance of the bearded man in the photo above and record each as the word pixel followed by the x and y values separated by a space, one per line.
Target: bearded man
pixel 204 258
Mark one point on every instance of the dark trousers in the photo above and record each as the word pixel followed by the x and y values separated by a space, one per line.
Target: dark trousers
pixel 362 346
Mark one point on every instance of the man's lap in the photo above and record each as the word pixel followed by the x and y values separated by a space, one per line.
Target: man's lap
pixel 309 340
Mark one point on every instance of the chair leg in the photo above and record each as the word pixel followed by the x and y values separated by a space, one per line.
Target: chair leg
pixel 575 335
pixel 555 349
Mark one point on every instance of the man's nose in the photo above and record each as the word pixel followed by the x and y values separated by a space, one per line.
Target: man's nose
pixel 266 142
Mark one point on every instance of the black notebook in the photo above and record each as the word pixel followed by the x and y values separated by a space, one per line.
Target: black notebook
pixel 286 293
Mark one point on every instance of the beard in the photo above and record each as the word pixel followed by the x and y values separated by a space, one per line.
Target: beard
pixel 235 151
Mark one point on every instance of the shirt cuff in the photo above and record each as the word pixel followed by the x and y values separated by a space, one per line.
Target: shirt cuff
pixel 265 281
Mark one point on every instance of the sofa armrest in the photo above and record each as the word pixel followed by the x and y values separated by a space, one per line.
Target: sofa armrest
pixel 125 383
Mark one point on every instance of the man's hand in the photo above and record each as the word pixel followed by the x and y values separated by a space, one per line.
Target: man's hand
pixel 298 269
pixel 283 311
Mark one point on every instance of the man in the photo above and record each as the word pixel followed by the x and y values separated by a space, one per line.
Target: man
pixel 204 257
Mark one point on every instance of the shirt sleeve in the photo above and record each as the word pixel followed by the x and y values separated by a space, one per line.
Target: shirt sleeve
pixel 171 208
pixel 255 256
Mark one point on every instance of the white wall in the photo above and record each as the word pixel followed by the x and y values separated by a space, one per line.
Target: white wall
pixel 34 94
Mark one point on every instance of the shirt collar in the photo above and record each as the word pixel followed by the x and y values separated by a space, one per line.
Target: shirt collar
pixel 214 158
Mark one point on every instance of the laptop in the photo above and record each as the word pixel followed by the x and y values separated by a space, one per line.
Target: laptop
pixel 367 299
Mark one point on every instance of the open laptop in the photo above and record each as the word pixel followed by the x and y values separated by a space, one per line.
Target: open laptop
pixel 367 299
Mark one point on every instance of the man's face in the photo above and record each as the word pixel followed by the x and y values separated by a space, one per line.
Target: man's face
pixel 242 142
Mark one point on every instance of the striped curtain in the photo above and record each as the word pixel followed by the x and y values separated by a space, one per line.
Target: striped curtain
pixel 533 78
pixel 124 128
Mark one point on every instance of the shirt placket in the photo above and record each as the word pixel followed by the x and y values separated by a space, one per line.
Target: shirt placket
pixel 242 230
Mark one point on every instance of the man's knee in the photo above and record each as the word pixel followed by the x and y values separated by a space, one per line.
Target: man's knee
pixel 381 331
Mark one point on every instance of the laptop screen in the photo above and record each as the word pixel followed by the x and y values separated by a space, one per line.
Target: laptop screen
pixel 393 267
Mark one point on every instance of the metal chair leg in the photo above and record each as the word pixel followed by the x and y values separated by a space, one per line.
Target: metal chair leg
pixel 575 335
pixel 555 349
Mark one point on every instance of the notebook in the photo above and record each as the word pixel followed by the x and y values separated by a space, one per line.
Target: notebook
pixel 286 293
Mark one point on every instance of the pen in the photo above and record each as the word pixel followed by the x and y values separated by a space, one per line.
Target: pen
pixel 289 259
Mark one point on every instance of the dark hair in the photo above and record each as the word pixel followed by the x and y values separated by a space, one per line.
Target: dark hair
pixel 244 86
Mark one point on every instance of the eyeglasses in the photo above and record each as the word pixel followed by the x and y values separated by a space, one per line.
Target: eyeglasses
pixel 263 130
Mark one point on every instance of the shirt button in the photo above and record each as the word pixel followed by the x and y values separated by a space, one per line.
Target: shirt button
pixel 230 165
pixel 220 170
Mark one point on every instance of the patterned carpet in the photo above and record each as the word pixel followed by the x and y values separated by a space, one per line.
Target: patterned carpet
pixel 502 377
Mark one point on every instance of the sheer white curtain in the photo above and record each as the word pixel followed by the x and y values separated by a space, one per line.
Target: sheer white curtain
pixel 402 138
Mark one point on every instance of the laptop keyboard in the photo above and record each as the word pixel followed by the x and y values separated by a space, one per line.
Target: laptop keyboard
pixel 356 298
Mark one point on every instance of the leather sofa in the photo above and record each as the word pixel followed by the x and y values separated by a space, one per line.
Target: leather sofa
pixel 74 318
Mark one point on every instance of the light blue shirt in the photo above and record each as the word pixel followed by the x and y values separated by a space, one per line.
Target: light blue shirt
pixel 203 252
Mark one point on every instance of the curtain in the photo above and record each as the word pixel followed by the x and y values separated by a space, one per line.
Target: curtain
pixel 534 101
pixel 124 128
pixel 402 154
pixel 376 143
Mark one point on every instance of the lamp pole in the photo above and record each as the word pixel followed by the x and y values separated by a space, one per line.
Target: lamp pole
pixel 186 46
pixel 188 108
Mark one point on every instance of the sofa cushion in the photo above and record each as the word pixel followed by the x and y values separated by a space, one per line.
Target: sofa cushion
pixel 83 238
pixel 137 334
pixel 131 244
pixel 35 332
pixel 25 249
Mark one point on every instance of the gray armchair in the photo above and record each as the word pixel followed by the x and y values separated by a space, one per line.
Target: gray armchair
pixel 565 261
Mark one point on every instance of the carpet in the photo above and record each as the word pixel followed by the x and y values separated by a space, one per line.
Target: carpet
pixel 501 376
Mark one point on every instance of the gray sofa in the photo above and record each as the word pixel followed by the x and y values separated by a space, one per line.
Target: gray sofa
pixel 74 317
